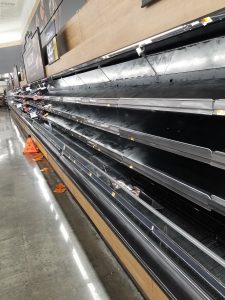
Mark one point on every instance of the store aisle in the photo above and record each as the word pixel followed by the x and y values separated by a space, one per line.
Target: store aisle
pixel 48 248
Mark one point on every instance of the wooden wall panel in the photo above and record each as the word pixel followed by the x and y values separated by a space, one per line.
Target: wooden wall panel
pixel 72 34
pixel 104 26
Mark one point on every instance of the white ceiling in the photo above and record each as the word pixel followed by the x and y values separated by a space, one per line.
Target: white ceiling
pixel 14 15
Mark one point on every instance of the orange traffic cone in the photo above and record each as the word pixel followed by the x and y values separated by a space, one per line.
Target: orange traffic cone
pixel 30 147
pixel 60 188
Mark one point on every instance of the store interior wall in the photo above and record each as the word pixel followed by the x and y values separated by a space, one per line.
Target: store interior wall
pixel 69 8
pixel 10 56
pixel 108 26
pixel 101 27
pixel 3 86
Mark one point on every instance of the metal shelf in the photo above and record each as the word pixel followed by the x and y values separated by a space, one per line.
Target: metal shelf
pixel 194 106
pixel 192 151
pixel 182 105
pixel 172 237
pixel 189 105
pixel 179 175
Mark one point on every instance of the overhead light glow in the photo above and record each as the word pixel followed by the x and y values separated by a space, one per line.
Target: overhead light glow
pixel 9 37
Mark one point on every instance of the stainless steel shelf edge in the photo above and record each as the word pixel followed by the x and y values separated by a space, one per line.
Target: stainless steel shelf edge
pixel 219 107
pixel 205 155
pixel 218 159
pixel 110 152
pixel 93 143
pixel 218 204
pixel 108 102
pixel 194 106
pixel 188 105
pixel 183 149
pixel 187 191
pixel 191 193
pixel 87 121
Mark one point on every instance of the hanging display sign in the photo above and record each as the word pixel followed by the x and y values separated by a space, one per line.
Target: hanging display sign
pixel 52 51
pixel 33 60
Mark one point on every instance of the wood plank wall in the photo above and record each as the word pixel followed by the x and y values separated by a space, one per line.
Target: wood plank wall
pixel 103 26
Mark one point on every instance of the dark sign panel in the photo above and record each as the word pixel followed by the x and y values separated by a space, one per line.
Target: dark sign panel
pixel 52 51
pixel 16 77
pixel 48 33
pixel 33 60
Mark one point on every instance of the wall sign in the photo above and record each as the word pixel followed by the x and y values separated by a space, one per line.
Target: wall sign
pixel 52 51
pixel 48 33
pixel 33 60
